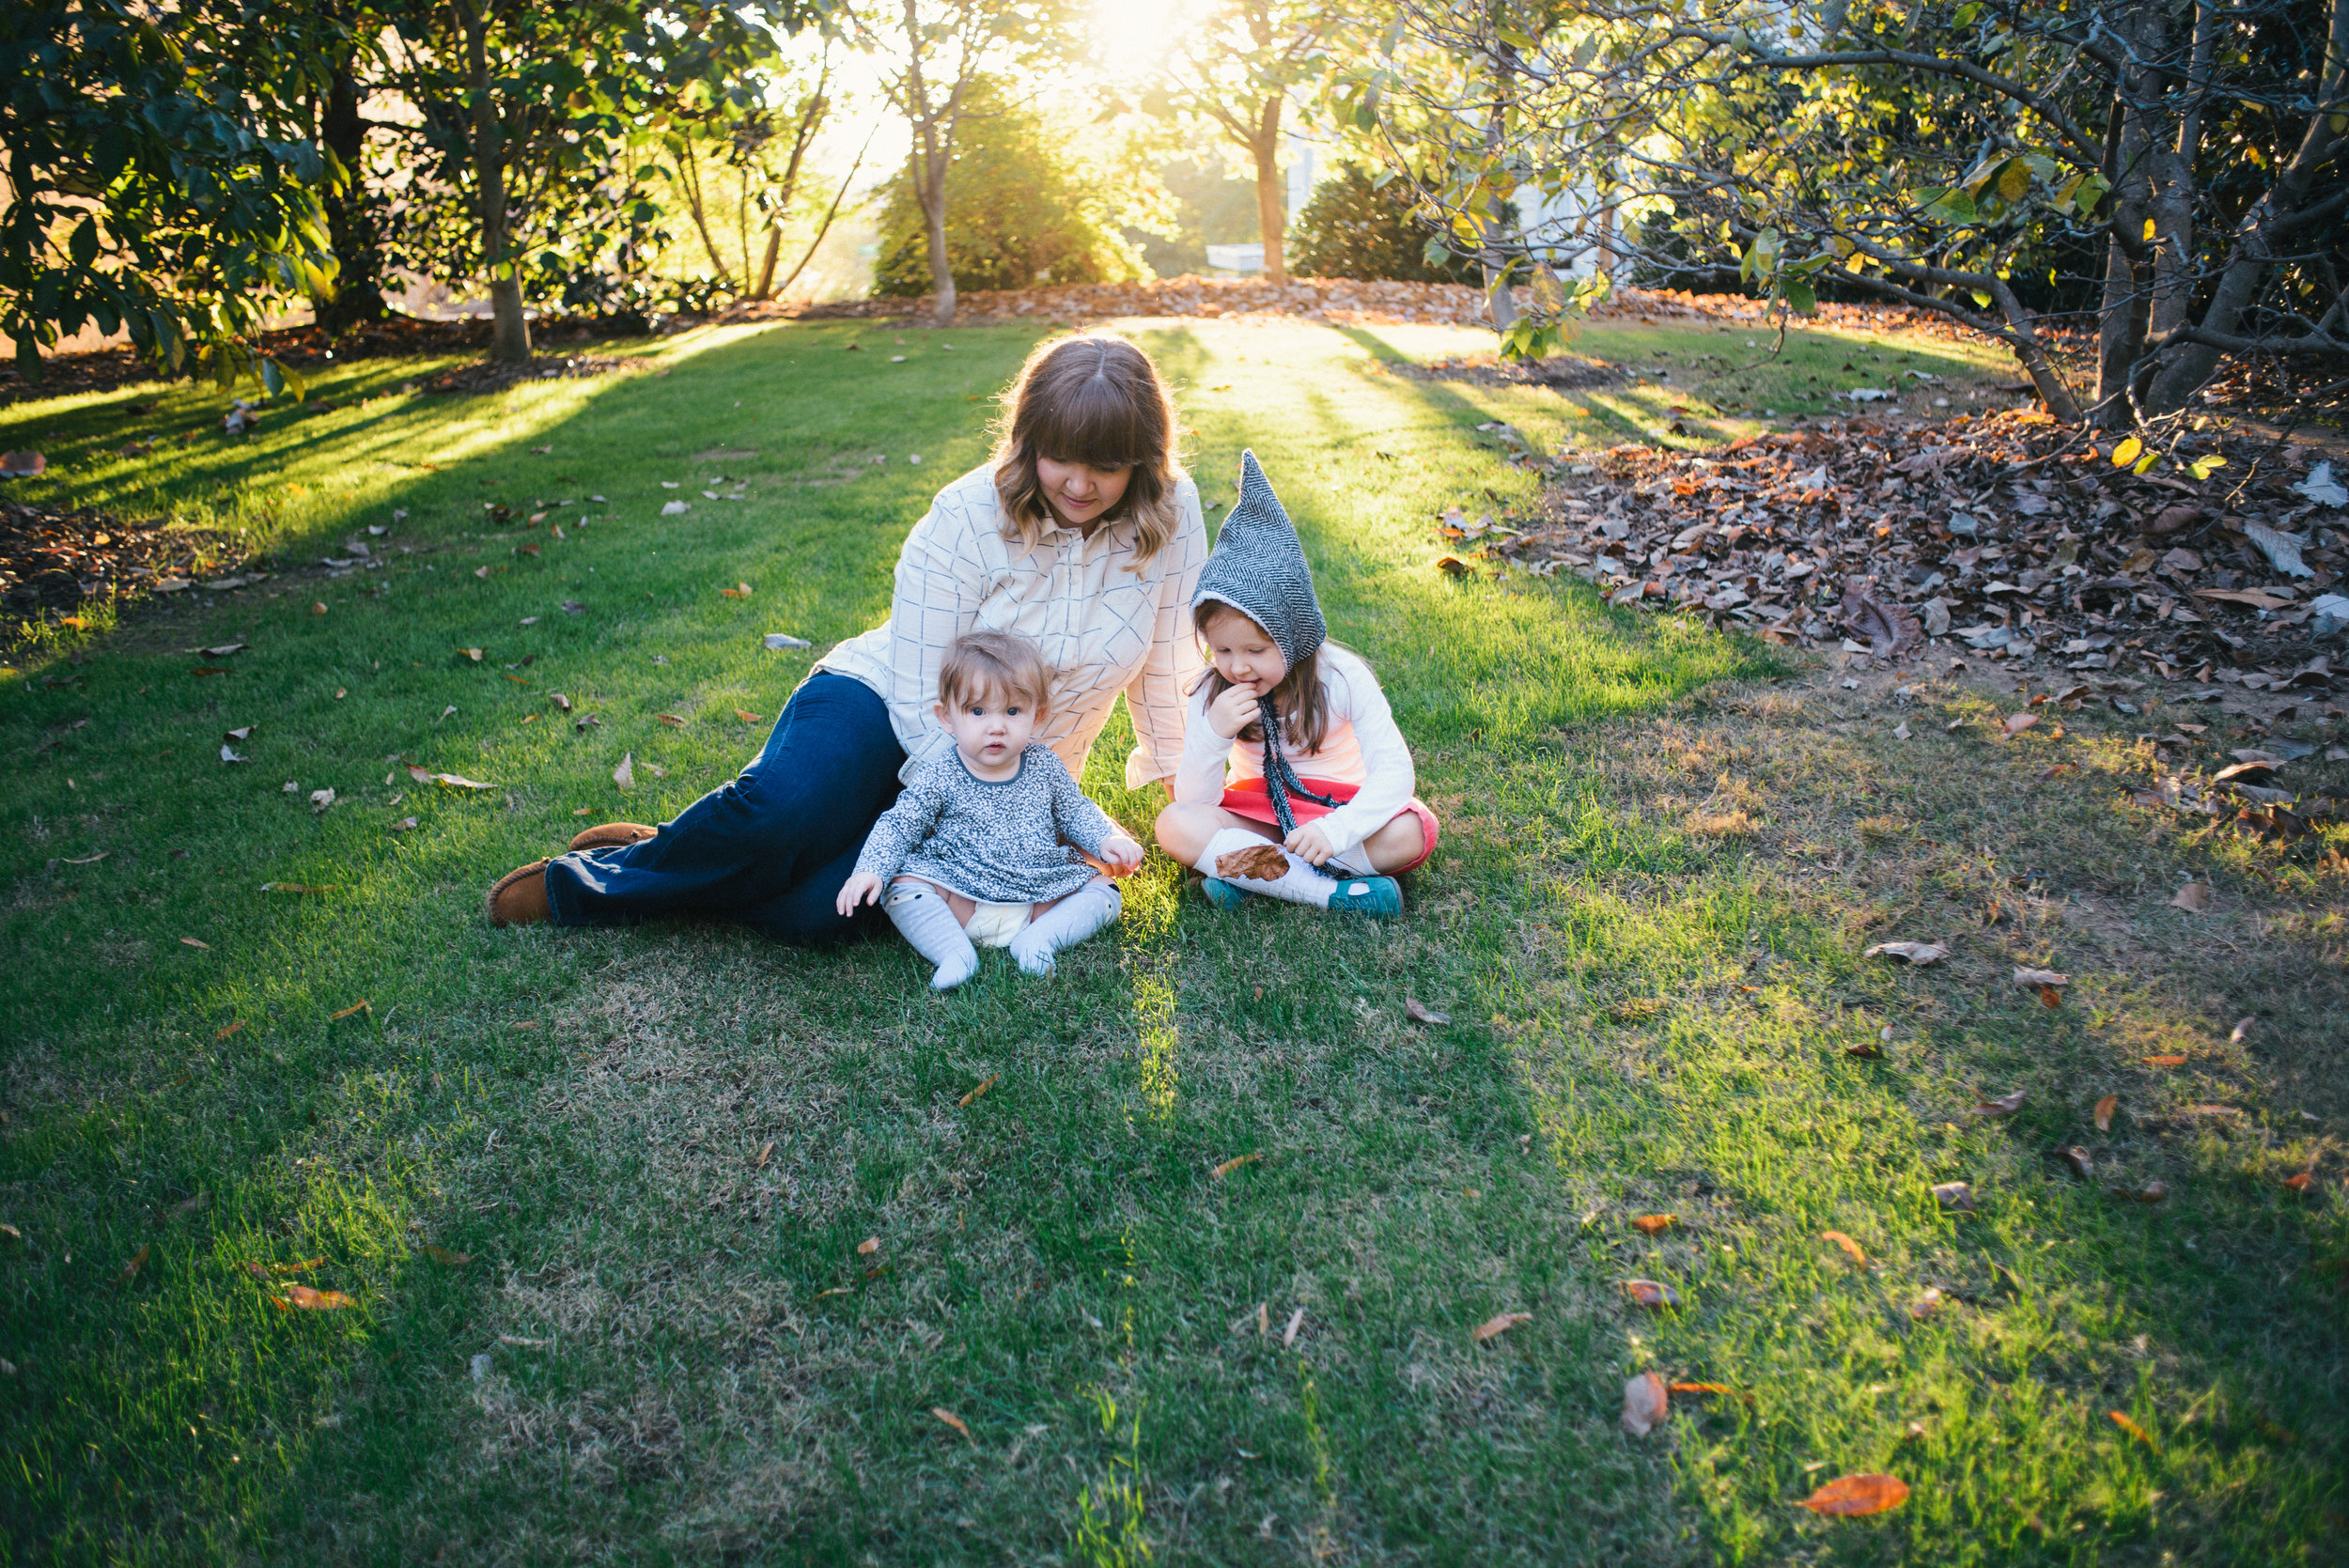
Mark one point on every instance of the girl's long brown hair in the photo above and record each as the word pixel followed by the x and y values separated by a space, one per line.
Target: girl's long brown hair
pixel 1299 699
pixel 1096 400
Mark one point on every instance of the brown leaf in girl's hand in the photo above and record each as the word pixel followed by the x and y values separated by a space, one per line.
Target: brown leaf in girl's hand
pixel 1418 1012
pixel 2005 1105
pixel 2105 1108
pixel 1493 1327
pixel 1645 1405
pixel 1649 1224
pixel 1853 1495
pixel 2131 1428
pixel 131 1269
pixel 1651 1292
pixel 1263 862
pixel 1233 1164
pixel 1851 1247
pixel 954 1421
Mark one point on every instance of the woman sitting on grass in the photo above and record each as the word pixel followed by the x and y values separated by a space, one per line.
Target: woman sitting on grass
pixel 1301 728
pixel 1080 531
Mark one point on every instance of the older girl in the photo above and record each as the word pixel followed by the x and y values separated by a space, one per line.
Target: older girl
pixel 1082 532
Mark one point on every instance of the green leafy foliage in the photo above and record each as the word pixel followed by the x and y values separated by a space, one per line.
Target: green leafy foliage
pixel 158 180
pixel 1357 227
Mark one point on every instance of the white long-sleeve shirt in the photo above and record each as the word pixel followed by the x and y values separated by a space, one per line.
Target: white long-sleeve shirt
pixel 1363 748
pixel 1106 621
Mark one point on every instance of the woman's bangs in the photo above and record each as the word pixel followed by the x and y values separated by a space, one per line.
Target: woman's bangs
pixel 1095 423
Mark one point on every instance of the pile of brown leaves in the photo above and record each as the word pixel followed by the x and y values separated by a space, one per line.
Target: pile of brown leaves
pixel 2007 535
pixel 53 560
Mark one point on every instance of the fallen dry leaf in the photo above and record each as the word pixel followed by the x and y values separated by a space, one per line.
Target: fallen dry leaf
pixel 1418 1013
pixel 2152 1192
pixel 1492 1327
pixel 190 941
pixel 2036 980
pixel 1296 1323
pixel 1651 1292
pixel 2194 897
pixel 986 1083
pixel 625 774
pixel 1851 1247
pixel 305 1299
pixel 2123 1422
pixel 2242 1026
pixel 761 1163
pixel 405 825
pixel 2005 1105
pixel 1233 1164
pixel 278 1270
pixel 2105 1108
pixel 1916 952
pixel 1699 1388
pixel 1851 1496
pixel 2165 1061
pixel 131 1269
pixel 2018 723
pixel 1955 1197
pixel 1867 1050
pixel 747 717
pixel 740 590
pixel 1451 566
pixel 869 1246
pixel 2079 1160
pixel 1646 1404
pixel 447 1259
pixel 1262 862
pixel 1649 1224
pixel 1926 1304
pixel 949 1417
pixel 359 1006
pixel 2302 1181
pixel 673 720
pixel 230 1030
pixel 297 886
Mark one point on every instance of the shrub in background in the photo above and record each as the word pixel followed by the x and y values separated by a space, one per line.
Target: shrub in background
pixel 1352 230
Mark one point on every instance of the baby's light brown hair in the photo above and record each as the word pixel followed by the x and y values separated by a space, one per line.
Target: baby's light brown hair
pixel 1000 665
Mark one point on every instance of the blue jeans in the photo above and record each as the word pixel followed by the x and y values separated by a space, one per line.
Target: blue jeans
pixel 771 849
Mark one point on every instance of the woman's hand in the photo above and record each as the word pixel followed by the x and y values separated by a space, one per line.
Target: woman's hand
pixel 1121 854
pixel 863 887
pixel 1310 843
pixel 1233 712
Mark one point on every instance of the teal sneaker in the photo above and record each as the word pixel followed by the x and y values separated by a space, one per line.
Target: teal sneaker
pixel 1378 897
pixel 1222 895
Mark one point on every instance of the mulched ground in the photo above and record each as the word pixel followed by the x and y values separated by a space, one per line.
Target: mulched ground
pixel 54 561
pixel 2004 537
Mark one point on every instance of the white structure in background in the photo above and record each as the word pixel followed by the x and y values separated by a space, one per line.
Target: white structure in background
pixel 1554 220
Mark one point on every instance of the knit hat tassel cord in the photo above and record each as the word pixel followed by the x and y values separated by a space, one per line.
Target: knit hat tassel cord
pixel 1280 779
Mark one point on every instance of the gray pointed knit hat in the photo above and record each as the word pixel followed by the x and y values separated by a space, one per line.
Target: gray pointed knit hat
pixel 1258 568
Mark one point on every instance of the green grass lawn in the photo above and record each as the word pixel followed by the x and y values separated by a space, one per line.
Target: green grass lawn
pixel 603 1199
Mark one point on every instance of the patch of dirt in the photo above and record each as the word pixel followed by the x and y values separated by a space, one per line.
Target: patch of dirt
pixel 2005 537
pixel 54 561
pixel 492 376
pixel 1559 372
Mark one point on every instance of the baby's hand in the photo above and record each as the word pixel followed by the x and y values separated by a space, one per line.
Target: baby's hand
pixel 1121 855
pixel 863 887
pixel 1231 712
pixel 1310 843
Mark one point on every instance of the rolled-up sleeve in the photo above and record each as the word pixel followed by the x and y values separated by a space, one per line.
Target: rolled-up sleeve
pixel 1159 695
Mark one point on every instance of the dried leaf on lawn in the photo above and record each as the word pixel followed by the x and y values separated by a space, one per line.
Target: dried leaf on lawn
pixel 869 1246
pixel 1851 1247
pixel 950 1418
pixel 1296 1323
pixel 2165 1061
pixel 1651 1292
pixel 1500 1324
pixel 302 1298
pixel 2040 980
pixel 1262 862
pixel 1649 1224
pixel 2005 1105
pixel 1418 1012
pixel 2152 1192
pixel 359 1006
pixel 2123 1422
pixel 2080 1160
pixel 2017 723
pixel 985 1084
pixel 447 1259
pixel 1955 1197
pixel 2105 1108
pixel 131 1269
pixel 1851 1496
pixel 747 717
pixel 2194 897
pixel 2301 1182
pixel 1646 1404
pixel 1916 952
pixel 625 774
pixel 1233 1164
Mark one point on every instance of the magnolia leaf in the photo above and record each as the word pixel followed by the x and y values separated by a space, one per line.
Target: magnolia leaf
pixel 1851 1248
pixel 1492 1327
pixel 1916 952
pixel 1646 1404
pixel 1853 1495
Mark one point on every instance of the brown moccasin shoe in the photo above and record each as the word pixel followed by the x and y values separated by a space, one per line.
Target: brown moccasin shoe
pixel 611 835
pixel 519 897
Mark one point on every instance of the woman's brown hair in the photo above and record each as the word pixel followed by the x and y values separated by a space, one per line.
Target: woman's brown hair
pixel 1096 400
pixel 1301 699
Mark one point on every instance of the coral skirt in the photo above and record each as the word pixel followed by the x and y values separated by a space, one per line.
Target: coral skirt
pixel 1248 798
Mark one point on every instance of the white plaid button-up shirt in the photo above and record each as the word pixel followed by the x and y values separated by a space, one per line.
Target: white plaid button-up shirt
pixel 1106 621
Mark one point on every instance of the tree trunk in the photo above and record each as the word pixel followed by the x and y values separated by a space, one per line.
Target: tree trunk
pixel 2186 369
pixel 1272 208
pixel 2121 316
pixel 509 332
pixel 2174 188
pixel 354 215
pixel 766 289
pixel 931 190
